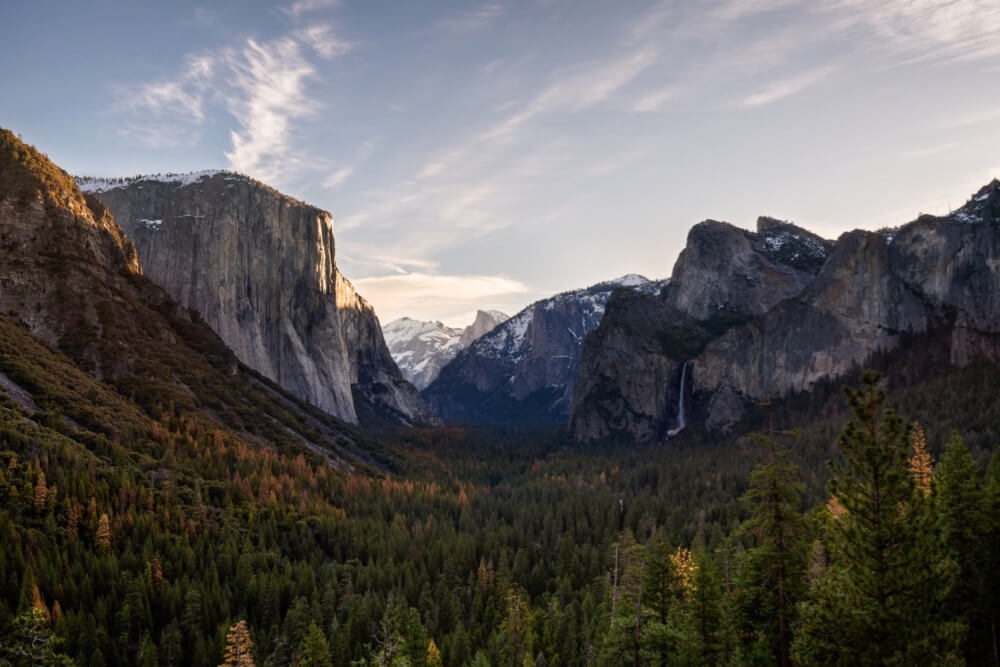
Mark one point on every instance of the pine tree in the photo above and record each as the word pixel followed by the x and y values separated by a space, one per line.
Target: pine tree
pixel 315 650
pixel 707 607
pixel 627 579
pixel 433 658
pixel 28 641
pixel 772 578
pixel 104 533
pixel 921 465
pixel 238 646
pixel 41 492
pixel 516 630
pixel 959 503
pixel 991 574
pixel 666 631
pixel 876 602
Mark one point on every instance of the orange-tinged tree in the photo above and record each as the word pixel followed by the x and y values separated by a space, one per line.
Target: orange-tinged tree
pixel 238 646
pixel 104 532
pixel 921 465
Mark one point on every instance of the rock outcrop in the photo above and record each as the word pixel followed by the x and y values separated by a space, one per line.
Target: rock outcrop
pixel 524 370
pixel 629 383
pixel 69 278
pixel 259 268
pixel 794 309
pixel 422 349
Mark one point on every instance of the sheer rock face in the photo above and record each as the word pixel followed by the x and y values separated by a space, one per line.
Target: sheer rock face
pixel 725 268
pixel 524 370
pixel 724 276
pixel 259 268
pixel 761 315
pixel 485 322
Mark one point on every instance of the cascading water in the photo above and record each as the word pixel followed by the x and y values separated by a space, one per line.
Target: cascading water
pixel 681 417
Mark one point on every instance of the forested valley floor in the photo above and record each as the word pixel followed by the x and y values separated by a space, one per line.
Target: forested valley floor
pixel 857 530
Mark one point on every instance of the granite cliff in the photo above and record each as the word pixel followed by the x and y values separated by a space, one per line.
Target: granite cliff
pixel 752 317
pixel 632 365
pixel 69 278
pixel 259 267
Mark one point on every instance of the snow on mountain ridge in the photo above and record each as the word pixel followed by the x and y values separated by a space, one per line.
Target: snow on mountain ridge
pixel 93 184
pixel 421 349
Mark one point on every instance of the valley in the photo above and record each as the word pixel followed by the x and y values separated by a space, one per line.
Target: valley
pixel 206 436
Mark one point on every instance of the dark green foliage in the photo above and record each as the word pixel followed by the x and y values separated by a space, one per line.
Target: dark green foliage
pixel 772 573
pixel 878 600
pixel 498 545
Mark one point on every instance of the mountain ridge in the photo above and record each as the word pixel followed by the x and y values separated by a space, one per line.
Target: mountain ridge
pixel 421 349
pixel 800 309
pixel 72 281
pixel 523 370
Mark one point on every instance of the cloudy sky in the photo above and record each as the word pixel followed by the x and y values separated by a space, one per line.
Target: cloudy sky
pixel 484 155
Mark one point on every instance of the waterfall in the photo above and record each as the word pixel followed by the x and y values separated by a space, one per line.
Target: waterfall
pixel 681 417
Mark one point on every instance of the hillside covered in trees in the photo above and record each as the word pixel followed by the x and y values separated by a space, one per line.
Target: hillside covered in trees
pixel 163 540
pixel 162 504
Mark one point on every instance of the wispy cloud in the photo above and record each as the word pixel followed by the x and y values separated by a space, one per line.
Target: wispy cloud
pixel 928 151
pixel 263 87
pixel 472 20
pixel 268 94
pixel 167 112
pixel 427 296
pixel 919 30
pixel 968 119
pixel 337 178
pixel 783 88
pixel 656 100
pixel 736 10
pixel 300 7
pixel 322 39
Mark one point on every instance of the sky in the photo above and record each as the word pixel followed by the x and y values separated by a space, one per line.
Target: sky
pixel 487 154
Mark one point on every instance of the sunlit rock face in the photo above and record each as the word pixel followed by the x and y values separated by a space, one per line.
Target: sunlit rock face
pixel 259 267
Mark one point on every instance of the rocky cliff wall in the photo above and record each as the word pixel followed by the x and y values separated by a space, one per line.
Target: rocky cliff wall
pixel 259 267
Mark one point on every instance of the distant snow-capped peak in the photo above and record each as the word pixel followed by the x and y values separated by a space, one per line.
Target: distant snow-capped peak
pixel 421 349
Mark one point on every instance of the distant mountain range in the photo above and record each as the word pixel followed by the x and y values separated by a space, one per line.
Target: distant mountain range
pixel 160 283
pixel 422 349
pixel 523 371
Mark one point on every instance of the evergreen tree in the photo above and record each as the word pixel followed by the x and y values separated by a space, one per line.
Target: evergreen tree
pixel 991 571
pixel 516 629
pixel 433 658
pixel 876 602
pixel 627 579
pixel 29 643
pixel 959 504
pixel 921 464
pixel 772 578
pixel 666 632
pixel 315 650
pixel 707 609
pixel 104 533
pixel 239 646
